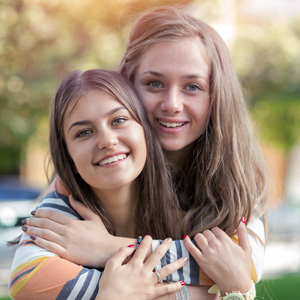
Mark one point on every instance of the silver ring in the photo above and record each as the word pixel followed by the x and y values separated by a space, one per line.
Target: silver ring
pixel 158 276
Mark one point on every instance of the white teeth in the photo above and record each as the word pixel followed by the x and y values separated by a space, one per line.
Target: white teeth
pixel 111 159
pixel 171 125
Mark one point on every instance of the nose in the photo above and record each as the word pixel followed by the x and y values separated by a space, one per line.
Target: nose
pixel 172 102
pixel 107 139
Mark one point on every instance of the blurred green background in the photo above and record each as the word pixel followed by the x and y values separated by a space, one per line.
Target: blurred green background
pixel 41 40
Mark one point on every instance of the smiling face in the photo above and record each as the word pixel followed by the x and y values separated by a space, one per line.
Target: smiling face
pixel 172 80
pixel 105 142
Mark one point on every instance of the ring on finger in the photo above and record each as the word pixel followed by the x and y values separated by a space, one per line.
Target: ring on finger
pixel 158 276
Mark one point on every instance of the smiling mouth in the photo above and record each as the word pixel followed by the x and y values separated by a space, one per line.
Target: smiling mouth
pixel 171 125
pixel 112 159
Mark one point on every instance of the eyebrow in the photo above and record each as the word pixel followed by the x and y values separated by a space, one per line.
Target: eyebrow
pixel 189 76
pixel 84 122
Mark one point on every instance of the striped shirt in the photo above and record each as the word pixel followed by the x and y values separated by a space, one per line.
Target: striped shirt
pixel 37 273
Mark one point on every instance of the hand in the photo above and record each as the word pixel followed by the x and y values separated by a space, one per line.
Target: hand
pixel 136 279
pixel 72 239
pixel 225 262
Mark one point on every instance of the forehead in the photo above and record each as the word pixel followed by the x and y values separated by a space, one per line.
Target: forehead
pixel 93 101
pixel 187 55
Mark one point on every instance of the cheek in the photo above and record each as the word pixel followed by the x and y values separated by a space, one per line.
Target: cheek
pixel 76 155
pixel 139 143
pixel 149 102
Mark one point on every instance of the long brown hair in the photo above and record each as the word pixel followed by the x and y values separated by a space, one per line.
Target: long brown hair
pixel 225 180
pixel 156 210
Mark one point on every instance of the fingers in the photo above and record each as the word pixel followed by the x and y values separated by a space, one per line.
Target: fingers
pixel 195 252
pixel 50 246
pixel 159 252
pixel 51 215
pixel 118 258
pixel 43 223
pixel 244 242
pixel 82 210
pixel 141 252
pixel 168 288
pixel 172 267
pixel 43 234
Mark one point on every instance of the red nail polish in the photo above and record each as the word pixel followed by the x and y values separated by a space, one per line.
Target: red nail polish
pixel 184 236
pixel 182 283
pixel 244 220
pixel 131 246
pixel 185 259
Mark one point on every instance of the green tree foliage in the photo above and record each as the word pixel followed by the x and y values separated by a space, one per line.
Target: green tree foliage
pixel 266 55
pixel 41 40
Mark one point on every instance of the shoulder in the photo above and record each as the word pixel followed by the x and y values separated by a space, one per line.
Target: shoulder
pixel 57 198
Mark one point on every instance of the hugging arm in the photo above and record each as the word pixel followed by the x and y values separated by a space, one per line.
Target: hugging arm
pixel 40 274
pixel 71 238
pixel 37 273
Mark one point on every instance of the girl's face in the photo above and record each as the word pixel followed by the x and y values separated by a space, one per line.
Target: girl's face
pixel 105 142
pixel 173 83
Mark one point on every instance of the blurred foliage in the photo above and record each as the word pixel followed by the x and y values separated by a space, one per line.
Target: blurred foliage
pixel 266 56
pixel 40 41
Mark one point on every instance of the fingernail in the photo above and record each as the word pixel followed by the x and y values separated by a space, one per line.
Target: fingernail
pixel 33 237
pixel 169 240
pixel 149 235
pixel 185 259
pixel 131 246
pixel 24 228
pixel 244 220
pixel 182 283
pixel 184 236
pixel 24 221
pixel 33 212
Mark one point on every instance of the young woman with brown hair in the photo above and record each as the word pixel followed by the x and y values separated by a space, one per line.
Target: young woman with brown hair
pixel 106 155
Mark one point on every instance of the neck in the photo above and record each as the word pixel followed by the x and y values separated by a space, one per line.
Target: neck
pixel 120 206
pixel 179 158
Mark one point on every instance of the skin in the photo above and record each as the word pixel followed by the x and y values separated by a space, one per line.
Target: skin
pixel 108 149
pixel 136 279
pixel 173 83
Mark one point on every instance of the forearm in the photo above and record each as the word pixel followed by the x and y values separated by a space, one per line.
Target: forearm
pixel 38 274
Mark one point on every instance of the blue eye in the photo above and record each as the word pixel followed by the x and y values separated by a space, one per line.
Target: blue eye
pixel 119 121
pixel 193 88
pixel 155 84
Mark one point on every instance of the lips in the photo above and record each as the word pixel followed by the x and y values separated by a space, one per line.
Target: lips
pixel 112 159
pixel 171 124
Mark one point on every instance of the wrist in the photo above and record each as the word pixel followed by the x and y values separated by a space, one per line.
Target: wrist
pixel 242 287
pixel 234 295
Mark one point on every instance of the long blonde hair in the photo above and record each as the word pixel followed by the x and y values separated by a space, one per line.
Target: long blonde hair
pixel 226 179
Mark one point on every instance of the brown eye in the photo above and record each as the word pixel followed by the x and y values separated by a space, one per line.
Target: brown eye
pixel 84 133
pixel 119 121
